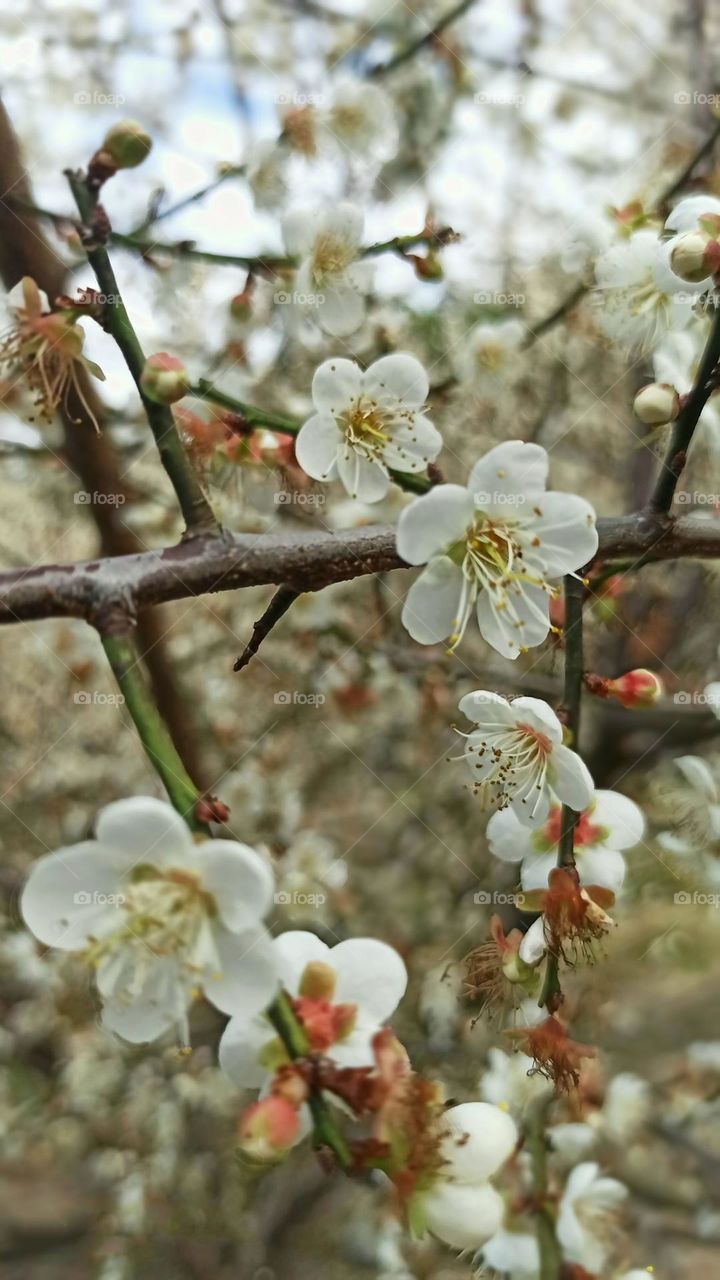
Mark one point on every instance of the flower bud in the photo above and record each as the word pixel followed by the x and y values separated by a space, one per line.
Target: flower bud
pixel 164 378
pixel 636 689
pixel 693 257
pixel 125 145
pixel 268 1129
pixel 657 404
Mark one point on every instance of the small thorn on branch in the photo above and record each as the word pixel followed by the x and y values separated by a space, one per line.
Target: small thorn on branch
pixel 282 600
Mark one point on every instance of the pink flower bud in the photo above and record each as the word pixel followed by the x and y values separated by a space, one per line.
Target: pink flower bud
pixel 268 1128
pixel 164 378
pixel 639 688
pixel 657 404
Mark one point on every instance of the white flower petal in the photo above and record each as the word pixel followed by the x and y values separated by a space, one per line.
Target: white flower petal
pixel 144 830
pixel 513 469
pixel 507 838
pixel 430 610
pixel 485 708
pixel 240 1045
pixel 249 973
pixel 479 1139
pixel 363 478
pixel 412 447
pixel 697 772
pixel 336 385
pixel 65 900
pixel 604 867
pixel 296 949
pixel 370 974
pixel 687 213
pixel 317 446
pixel 463 1216
pixel 157 1007
pixel 433 523
pixel 533 946
pixel 398 377
pixel 567 533
pixel 239 879
pixel 342 309
pixel 536 869
pixel 513 1253
pixel 537 714
pixel 623 820
pixel 571 779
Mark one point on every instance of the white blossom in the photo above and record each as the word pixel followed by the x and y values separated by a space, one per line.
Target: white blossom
pixel 696 834
pixel 159 915
pixel 517 758
pixel 266 174
pixel 329 281
pixel 508 1083
pixel 365 423
pixel 676 361
pixel 612 822
pixel 346 993
pixel 483 357
pixel 461 1207
pixel 587 1208
pixel 361 117
pixel 513 1253
pixel 687 213
pixel 494 548
pixel 640 298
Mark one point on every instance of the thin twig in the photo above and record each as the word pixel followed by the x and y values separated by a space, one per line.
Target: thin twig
pixel 283 599
pixel 193 503
pixel 415 46
pixel 684 428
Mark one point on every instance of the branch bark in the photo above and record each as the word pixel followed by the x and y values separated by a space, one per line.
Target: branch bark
pixel 304 562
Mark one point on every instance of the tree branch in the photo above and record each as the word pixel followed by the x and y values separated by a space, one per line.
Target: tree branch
pixel 283 599
pixel 304 562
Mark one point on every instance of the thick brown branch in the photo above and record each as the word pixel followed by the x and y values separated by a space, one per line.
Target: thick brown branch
pixel 304 562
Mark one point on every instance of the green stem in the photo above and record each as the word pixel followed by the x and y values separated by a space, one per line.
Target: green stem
pixel 195 508
pixel 268 421
pixel 550 1255
pixel 124 659
pixel 327 1133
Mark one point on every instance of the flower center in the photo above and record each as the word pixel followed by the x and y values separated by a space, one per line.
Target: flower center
pixel 331 257
pixel 365 427
pixel 513 761
pixel 587 832
pixel 491 558
pixel 166 913
pixel 489 357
